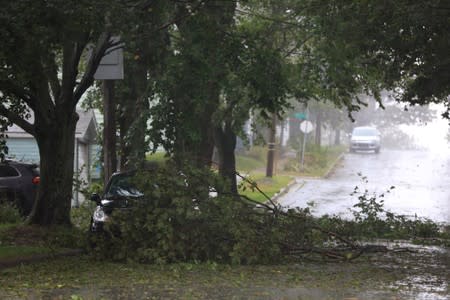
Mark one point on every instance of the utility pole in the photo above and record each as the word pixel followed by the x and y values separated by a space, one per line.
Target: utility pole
pixel 109 130
pixel 109 70
pixel 271 147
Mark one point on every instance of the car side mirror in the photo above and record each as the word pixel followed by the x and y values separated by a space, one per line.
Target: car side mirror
pixel 96 198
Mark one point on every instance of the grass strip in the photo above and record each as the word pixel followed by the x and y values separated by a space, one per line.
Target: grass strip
pixel 270 186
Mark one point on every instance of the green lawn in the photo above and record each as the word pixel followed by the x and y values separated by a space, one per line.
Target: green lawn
pixel 318 161
pixel 246 164
pixel 381 277
pixel 9 252
pixel 270 186
pixel 157 156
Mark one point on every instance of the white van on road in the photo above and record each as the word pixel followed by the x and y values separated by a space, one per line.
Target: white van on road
pixel 365 139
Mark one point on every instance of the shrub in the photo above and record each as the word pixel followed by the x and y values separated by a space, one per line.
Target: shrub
pixel 81 215
pixel 9 213
pixel 94 187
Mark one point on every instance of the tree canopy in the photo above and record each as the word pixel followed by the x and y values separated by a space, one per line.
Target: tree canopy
pixel 406 40
pixel 196 69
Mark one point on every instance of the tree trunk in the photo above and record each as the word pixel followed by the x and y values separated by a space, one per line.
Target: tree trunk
pixel 206 147
pixel 226 144
pixel 337 137
pixel 56 143
pixel 318 137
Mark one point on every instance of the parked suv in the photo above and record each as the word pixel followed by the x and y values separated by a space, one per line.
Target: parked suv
pixel 19 182
pixel 365 139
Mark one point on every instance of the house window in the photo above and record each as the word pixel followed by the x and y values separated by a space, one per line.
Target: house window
pixel 7 171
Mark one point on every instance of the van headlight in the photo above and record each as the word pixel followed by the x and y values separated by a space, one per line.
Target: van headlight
pixel 100 215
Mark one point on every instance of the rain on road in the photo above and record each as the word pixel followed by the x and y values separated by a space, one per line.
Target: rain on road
pixel 420 178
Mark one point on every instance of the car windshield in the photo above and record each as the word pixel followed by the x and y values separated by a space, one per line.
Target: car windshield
pixel 122 186
pixel 364 132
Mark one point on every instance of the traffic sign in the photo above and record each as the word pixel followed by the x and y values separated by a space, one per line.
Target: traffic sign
pixel 306 126
pixel 300 115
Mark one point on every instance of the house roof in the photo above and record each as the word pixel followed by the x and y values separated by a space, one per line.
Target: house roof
pixel 85 130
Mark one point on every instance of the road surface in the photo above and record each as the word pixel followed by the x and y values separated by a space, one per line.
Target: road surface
pixel 421 180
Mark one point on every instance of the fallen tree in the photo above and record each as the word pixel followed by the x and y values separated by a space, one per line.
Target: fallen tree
pixel 177 222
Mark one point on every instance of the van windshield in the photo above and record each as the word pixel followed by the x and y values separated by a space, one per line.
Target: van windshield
pixel 364 132
pixel 120 186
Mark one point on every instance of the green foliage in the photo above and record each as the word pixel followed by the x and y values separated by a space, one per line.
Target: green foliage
pixel 179 221
pixel 317 160
pixel 95 187
pixel 395 38
pixel 81 215
pixel 9 213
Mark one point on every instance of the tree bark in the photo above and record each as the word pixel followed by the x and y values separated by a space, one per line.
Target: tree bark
pixel 225 140
pixel 56 141
pixel 318 137
pixel 337 137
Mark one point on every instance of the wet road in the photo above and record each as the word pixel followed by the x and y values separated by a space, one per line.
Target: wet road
pixel 421 180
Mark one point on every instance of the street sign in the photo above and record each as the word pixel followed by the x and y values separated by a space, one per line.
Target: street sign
pixel 306 126
pixel 300 116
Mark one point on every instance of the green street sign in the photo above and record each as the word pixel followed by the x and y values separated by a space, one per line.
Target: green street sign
pixel 300 116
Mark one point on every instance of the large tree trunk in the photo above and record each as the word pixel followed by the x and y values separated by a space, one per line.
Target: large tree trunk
pixel 56 141
pixel 205 150
pixel 226 144
pixel 197 146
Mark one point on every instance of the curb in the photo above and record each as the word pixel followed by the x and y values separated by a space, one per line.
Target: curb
pixel 283 191
pixel 333 165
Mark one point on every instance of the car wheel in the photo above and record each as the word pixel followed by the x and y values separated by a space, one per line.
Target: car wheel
pixel 377 150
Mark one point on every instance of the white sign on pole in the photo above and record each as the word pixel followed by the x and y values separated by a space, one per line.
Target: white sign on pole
pixel 306 126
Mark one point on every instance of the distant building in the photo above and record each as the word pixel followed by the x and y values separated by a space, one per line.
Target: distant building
pixel 22 146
